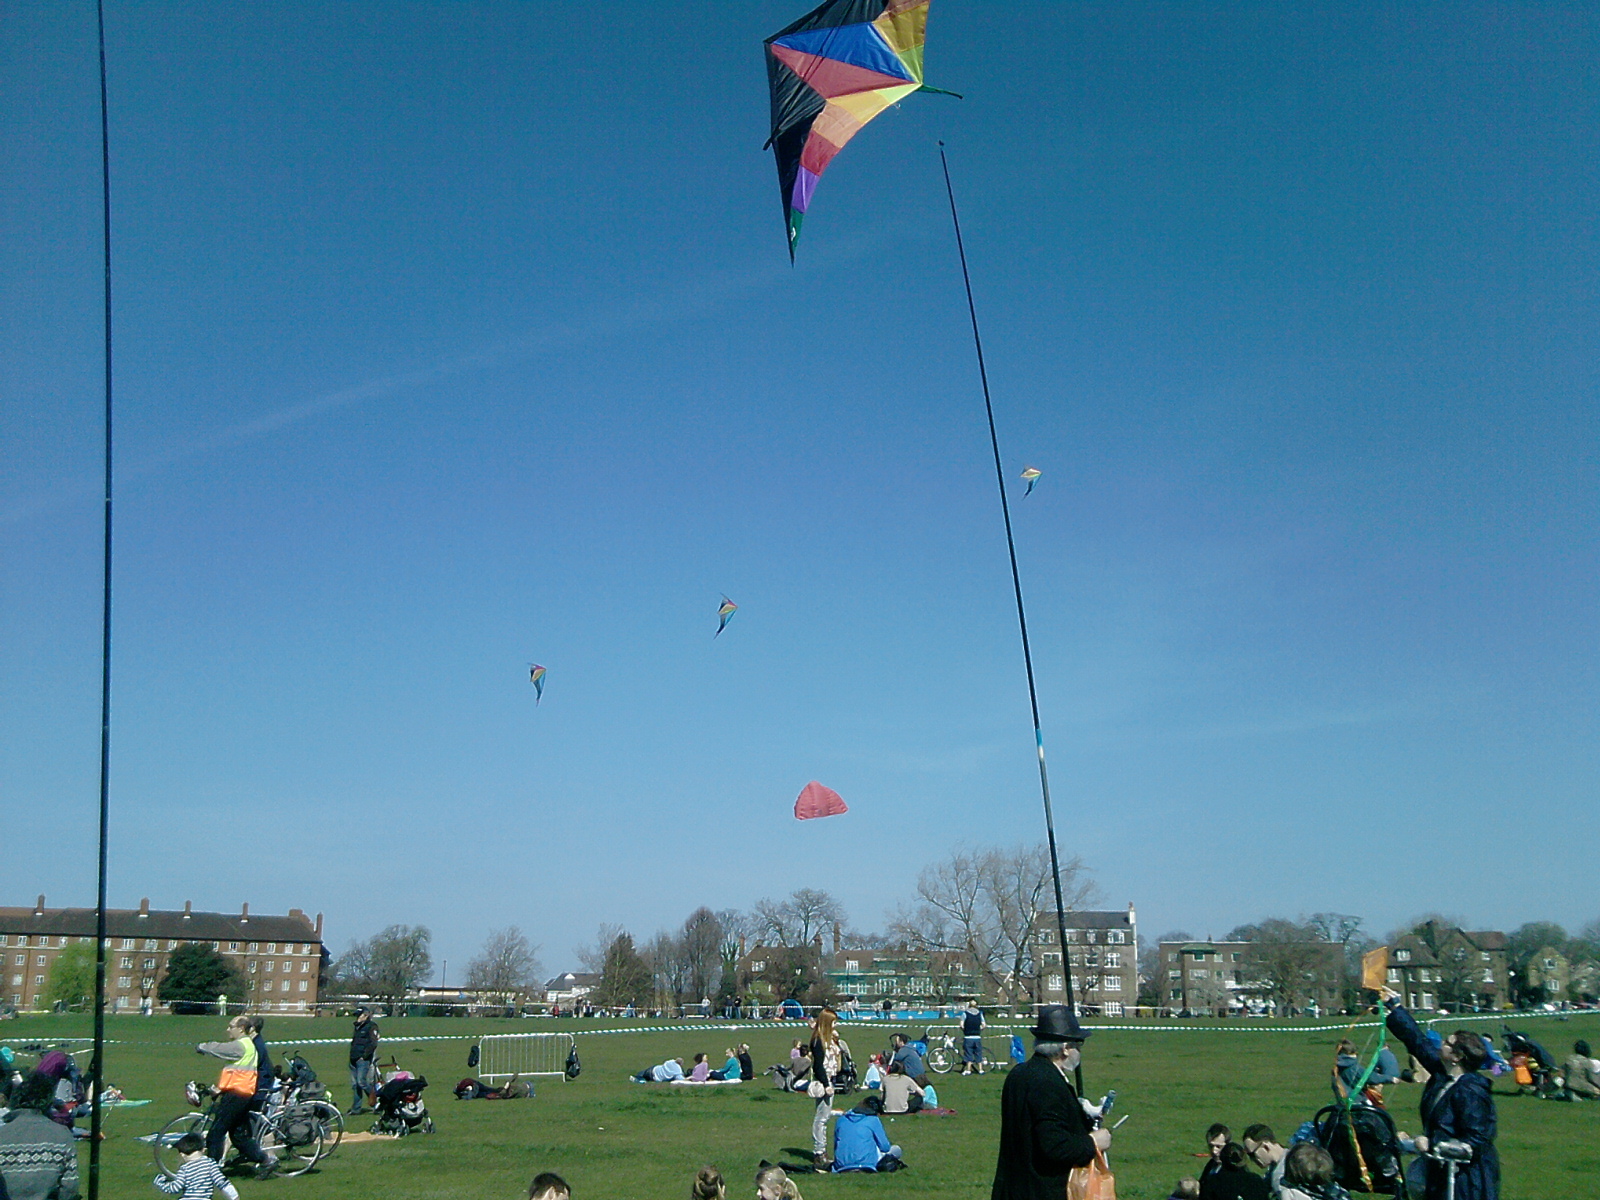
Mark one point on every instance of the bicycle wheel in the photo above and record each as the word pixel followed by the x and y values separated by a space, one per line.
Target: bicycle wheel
pixel 940 1059
pixel 168 1160
pixel 293 1137
pixel 331 1120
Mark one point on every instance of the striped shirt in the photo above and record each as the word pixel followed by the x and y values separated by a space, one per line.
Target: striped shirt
pixel 197 1179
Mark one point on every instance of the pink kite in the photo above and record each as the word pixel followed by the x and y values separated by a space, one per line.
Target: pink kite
pixel 818 801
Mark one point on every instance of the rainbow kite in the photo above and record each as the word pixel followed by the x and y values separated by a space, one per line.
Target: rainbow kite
pixel 1031 474
pixel 536 677
pixel 830 73
pixel 725 611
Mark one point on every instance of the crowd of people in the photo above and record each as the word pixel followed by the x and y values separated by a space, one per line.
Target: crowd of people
pixel 737 1066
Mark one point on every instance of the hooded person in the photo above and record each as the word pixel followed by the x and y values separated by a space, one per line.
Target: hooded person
pixel 859 1140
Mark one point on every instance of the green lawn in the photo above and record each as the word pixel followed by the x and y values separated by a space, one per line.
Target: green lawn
pixel 612 1138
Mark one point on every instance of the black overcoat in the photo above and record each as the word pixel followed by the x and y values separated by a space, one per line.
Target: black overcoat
pixel 1043 1134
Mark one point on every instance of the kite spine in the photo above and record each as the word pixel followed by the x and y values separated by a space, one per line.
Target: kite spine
pixel 96 1066
pixel 1022 615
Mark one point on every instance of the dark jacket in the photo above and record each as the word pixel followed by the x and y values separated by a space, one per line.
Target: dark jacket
pixel 264 1079
pixel 1043 1134
pixel 1225 1184
pixel 747 1069
pixel 364 1042
pixel 1460 1107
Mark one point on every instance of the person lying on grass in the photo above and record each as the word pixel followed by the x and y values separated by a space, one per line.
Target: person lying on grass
pixel 665 1073
pixel 547 1185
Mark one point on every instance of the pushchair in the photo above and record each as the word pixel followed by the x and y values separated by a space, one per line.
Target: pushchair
pixel 401 1109
pixel 1370 1160
pixel 1531 1064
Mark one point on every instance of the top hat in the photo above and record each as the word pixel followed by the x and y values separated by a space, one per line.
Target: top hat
pixel 1058 1023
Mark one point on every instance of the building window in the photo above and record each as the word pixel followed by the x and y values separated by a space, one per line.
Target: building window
pixel 22 960
pixel 302 985
pixel 1111 983
pixel 1116 937
pixel 1112 1008
pixel 127 943
pixel 5 939
pixel 149 964
pixel 126 964
pixel 1237 956
pixel 254 946
pixel 1088 935
pixel 233 946
pixel 1427 999
pixel 1054 983
pixel 38 960
pixel 1402 956
pixel 1072 935
pixel 758 966
pixel 1488 974
pixel 151 944
pixel 252 968
pixel 270 964
pixel 1175 976
pixel 1394 975
pixel 1046 937
pixel 1201 973
pixel 1483 955
pixel 303 967
pixel 850 964
pixel 171 944
pixel 38 981
pixel 122 981
pixel 1113 958
pixel 252 985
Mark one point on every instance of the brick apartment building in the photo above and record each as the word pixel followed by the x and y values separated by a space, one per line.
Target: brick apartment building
pixel 1103 952
pixel 282 958
pixel 1217 978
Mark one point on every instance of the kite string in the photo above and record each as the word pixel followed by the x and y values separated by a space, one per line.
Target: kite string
pixel 1022 616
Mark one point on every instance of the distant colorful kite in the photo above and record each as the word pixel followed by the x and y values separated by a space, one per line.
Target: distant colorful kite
pixel 536 677
pixel 725 611
pixel 831 72
pixel 1031 474
pixel 818 801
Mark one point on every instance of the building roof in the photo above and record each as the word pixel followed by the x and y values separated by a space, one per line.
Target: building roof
pixel 573 979
pixel 159 923
pixel 1119 918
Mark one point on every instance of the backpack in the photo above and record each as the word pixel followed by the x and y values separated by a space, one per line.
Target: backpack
pixel 472 1057
pixel 574 1067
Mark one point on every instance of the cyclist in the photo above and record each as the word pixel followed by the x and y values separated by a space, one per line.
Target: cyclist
pixel 236 1094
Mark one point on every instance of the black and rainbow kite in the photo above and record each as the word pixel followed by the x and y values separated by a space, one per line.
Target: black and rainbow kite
pixel 831 72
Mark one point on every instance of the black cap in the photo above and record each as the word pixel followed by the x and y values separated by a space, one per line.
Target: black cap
pixel 1058 1023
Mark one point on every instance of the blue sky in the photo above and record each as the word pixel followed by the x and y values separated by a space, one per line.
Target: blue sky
pixel 452 337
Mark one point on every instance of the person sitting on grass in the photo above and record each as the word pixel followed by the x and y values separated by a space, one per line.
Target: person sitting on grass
pixel 547 1185
pixel 1581 1073
pixel 1264 1149
pixel 747 1065
pixel 708 1185
pixel 37 1155
pixel 906 1055
pixel 199 1178
pixel 901 1093
pixel 1217 1137
pixel 773 1183
pixel 665 1073
pixel 1187 1188
pixel 1232 1180
pixel 701 1071
pixel 1308 1174
pixel 730 1070
pixel 860 1142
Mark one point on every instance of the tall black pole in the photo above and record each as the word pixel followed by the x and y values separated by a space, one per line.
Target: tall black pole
pixel 96 1070
pixel 1022 616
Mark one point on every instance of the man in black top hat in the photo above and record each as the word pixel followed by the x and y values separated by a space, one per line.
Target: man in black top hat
pixel 1043 1130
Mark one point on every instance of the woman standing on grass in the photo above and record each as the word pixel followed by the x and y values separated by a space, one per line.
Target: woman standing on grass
pixel 827 1054
pixel 1457 1106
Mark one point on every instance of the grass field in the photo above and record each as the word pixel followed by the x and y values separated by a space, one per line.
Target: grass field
pixel 615 1139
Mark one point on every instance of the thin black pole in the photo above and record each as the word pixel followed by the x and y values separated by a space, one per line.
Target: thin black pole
pixel 96 1070
pixel 1022 616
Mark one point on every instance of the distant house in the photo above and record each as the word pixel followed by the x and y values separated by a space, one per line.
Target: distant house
pixel 570 987
pixel 1440 966
pixel 1548 974
pixel 283 960
pixel 1219 978
pixel 1103 953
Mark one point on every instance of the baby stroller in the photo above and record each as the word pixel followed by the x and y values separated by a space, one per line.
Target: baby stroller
pixel 400 1107
pixel 1370 1160
pixel 1531 1064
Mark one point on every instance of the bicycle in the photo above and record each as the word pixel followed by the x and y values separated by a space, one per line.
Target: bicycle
pixel 942 1058
pixel 291 1134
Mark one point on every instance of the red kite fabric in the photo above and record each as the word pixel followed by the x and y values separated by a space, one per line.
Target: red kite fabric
pixel 818 801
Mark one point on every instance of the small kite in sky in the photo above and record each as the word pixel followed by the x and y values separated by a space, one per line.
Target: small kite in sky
pixel 536 677
pixel 1031 474
pixel 817 801
pixel 831 72
pixel 725 611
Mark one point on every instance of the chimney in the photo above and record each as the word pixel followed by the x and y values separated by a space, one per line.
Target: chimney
pixel 244 917
pixel 38 909
pixel 144 906
pixel 741 945
pixel 836 937
pixel 188 906
pixel 297 913
pixel 319 927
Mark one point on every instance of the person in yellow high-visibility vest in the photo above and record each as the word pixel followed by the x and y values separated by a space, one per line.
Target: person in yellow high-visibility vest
pixel 236 1088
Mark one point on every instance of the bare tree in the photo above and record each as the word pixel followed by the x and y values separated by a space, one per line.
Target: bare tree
pixel 986 904
pixel 1290 962
pixel 668 967
pixel 592 957
pixel 388 964
pixel 507 967
pixel 798 920
pixel 701 941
